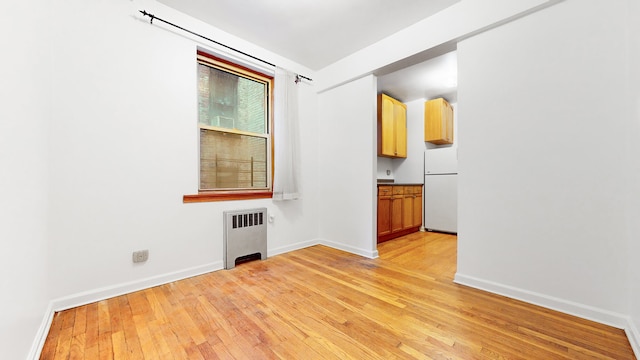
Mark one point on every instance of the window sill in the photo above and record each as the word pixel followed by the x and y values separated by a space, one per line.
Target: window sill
pixel 210 196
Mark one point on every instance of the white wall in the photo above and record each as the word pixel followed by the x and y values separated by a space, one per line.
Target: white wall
pixel 98 146
pixel 384 164
pixel 633 141
pixel 125 150
pixel 347 166
pixel 24 119
pixel 542 167
pixel 541 98
pixel 442 29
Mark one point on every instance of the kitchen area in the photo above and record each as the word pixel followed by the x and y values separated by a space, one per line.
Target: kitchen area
pixel 417 149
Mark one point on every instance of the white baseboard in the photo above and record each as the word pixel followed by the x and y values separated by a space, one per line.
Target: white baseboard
pixel 99 294
pixel 41 335
pixel 354 250
pixel 634 337
pixel 92 296
pixel 331 244
pixel 293 247
pixel 568 307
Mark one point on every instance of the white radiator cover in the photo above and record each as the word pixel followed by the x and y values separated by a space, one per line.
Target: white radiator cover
pixel 245 234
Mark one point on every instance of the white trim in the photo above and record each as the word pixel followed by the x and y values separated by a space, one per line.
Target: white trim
pixel 634 336
pixel 594 314
pixel 324 242
pixel 292 247
pixel 602 316
pixel 350 249
pixel 41 335
pixel 568 307
pixel 95 295
pixel 107 292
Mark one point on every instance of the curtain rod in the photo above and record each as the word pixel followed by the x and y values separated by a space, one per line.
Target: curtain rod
pixel 153 17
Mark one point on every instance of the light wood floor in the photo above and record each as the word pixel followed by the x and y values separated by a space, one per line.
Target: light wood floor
pixel 320 303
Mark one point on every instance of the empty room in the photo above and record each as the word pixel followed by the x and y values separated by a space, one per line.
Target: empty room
pixel 212 179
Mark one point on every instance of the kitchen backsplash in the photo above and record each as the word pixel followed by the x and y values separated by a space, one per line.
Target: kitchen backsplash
pixel 385 168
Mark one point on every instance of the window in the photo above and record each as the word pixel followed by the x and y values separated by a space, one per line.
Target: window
pixel 234 120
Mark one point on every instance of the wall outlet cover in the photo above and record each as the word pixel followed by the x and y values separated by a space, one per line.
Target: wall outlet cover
pixel 140 256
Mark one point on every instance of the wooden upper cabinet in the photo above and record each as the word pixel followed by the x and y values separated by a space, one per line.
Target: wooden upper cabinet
pixel 400 121
pixel 438 122
pixel 392 127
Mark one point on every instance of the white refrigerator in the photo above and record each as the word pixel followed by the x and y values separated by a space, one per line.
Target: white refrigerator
pixel 441 189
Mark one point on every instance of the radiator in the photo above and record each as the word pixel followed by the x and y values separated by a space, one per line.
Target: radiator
pixel 245 235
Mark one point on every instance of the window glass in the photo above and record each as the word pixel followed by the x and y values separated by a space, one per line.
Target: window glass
pixel 232 161
pixel 231 101
pixel 233 117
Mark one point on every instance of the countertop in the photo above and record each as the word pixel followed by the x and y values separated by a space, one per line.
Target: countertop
pixel 391 183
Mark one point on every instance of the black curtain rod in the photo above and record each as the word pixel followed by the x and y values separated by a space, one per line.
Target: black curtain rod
pixel 153 17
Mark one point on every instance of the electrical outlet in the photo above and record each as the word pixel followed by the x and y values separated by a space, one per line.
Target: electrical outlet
pixel 140 256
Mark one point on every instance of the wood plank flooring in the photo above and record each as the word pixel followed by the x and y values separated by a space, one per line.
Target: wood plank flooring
pixel 321 303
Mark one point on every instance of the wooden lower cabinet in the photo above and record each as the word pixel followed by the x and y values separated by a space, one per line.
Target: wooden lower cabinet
pixel 397 220
pixel 384 210
pixel 412 207
pixel 417 209
pixel 407 210
pixel 399 210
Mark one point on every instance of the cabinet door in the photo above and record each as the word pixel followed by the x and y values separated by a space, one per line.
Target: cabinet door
pixel 432 121
pixel 438 122
pixel 386 126
pixel 448 122
pixel 396 213
pixel 384 215
pixel 407 211
pixel 400 124
pixel 417 206
pixel 392 127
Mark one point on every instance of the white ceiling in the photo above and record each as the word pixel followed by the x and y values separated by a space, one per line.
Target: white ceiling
pixel 436 77
pixel 318 33
pixel 314 33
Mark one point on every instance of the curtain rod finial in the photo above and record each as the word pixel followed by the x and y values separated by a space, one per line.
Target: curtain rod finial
pixel 145 13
